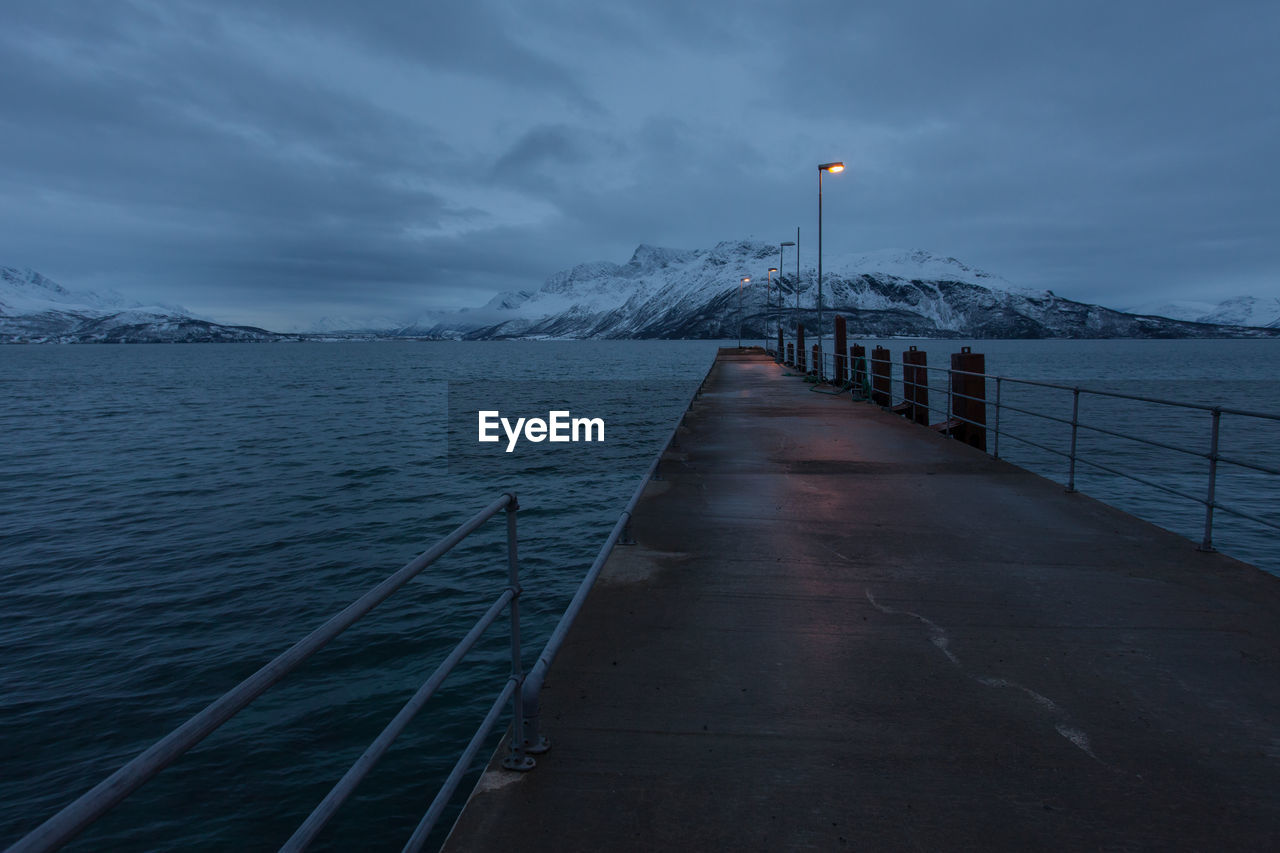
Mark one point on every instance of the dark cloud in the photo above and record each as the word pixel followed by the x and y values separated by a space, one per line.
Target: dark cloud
pixel 1047 138
pixel 441 35
pixel 305 158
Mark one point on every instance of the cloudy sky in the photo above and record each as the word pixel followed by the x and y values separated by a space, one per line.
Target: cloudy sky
pixel 275 162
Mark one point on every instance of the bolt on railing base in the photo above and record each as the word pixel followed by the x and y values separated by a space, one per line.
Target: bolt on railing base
pixel 518 762
pixel 1206 549
pixel 538 746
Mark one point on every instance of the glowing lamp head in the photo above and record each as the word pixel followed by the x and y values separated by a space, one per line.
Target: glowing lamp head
pixel 773 269
pixel 746 279
pixel 831 167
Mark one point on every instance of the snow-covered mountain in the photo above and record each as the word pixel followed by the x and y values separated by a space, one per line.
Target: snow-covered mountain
pixel 1236 311
pixel 36 309
pixel 674 293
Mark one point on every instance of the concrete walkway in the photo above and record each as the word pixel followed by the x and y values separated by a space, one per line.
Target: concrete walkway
pixel 840 631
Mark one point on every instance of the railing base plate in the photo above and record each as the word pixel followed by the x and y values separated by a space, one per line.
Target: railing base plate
pixel 539 746
pixel 519 763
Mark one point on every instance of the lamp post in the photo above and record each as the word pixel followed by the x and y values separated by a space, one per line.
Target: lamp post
pixel 782 246
pixel 833 168
pixel 744 280
pixel 768 303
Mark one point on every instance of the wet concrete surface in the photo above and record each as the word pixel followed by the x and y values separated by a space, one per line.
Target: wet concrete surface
pixel 842 631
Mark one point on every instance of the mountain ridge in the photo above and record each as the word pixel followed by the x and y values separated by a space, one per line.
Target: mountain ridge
pixel 677 293
pixel 1260 312
pixel 670 293
pixel 36 309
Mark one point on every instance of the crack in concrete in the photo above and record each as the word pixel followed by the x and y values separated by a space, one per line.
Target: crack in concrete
pixel 938 636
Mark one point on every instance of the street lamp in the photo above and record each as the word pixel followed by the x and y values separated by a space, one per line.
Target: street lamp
pixel 833 168
pixel 768 303
pixel 745 279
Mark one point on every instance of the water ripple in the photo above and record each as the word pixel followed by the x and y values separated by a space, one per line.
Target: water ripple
pixel 176 516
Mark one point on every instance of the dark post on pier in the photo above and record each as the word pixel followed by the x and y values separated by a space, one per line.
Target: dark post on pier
pixel 881 377
pixel 968 397
pixel 837 630
pixel 800 347
pixel 915 385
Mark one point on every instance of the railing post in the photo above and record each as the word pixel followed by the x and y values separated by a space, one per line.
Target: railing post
pixel 858 370
pixel 951 388
pixel 1075 424
pixel 996 453
pixel 800 354
pixel 839 354
pixel 1207 543
pixel 625 538
pixel 516 759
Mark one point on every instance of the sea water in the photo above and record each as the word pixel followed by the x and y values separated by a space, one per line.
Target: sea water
pixel 174 516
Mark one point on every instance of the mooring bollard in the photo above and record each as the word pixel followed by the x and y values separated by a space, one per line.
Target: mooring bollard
pixel 791 354
pixel 800 348
pixel 969 397
pixel 881 377
pixel 858 368
pixel 842 346
pixel 915 385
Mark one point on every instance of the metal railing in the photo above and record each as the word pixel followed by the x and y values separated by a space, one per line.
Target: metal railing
pixel 1074 425
pixel 88 808
pixel 521 690
pixel 535 742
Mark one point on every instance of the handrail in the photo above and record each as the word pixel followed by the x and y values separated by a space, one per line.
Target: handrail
pixel 1205 407
pixel 522 690
pixel 436 809
pixel 534 741
pixel 93 804
pixel 1212 455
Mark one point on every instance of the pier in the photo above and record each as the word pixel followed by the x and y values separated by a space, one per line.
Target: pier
pixel 838 629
